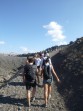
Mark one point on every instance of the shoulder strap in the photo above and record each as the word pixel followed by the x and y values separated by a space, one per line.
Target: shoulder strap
pixel 47 71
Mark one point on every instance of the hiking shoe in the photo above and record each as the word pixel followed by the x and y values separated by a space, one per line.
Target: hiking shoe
pixel 45 105
pixel 28 108
pixel 32 99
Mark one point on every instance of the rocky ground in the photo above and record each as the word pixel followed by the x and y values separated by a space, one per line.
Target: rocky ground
pixel 13 97
pixel 9 65
pixel 13 92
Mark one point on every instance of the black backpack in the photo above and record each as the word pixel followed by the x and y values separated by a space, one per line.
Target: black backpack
pixel 44 59
pixel 47 72
pixel 30 72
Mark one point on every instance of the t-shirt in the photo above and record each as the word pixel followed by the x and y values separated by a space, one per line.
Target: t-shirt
pixel 37 61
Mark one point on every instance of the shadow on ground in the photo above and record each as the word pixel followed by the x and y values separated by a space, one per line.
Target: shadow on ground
pixel 16 84
pixel 16 101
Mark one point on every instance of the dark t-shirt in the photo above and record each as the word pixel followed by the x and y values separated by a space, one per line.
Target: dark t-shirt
pixel 30 72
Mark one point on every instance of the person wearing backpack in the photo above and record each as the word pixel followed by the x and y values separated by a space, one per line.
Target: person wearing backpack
pixel 29 79
pixel 44 57
pixel 47 72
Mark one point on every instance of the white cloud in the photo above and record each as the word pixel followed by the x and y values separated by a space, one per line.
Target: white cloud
pixel 24 49
pixel 2 42
pixel 55 31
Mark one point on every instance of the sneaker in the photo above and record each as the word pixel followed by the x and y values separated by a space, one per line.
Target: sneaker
pixel 32 99
pixel 28 108
pixel 45 105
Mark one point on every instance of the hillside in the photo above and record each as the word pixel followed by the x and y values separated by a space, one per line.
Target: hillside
pixel 8 66
pixel 69 65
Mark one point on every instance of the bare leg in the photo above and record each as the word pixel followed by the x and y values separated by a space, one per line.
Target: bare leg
pixel 49 91
pixel 33 92
pixel 46 93
pixel 28 96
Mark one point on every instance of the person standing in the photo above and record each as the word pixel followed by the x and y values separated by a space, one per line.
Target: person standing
pixel 29 79
pixel 47 71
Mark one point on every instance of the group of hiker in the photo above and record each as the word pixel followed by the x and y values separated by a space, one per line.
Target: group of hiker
pixel 36 68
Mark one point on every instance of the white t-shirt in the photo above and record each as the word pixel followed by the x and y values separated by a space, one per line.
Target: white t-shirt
pixel 38 61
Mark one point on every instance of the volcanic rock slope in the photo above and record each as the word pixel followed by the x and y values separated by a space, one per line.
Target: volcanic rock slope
pixel 69 65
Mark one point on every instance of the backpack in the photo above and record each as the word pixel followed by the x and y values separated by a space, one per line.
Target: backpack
pixel 47 72
pixel 44 59
pixel 30 72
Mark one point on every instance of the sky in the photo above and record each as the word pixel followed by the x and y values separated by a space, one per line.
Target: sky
pixel 35 25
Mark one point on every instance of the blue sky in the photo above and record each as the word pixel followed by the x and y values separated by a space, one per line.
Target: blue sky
pixel 34 25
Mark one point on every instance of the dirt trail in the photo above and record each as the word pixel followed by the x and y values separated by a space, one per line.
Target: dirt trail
pixel 13 98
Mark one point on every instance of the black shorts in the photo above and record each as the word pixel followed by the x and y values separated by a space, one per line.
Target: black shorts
pixel 38 67
pixel 30 85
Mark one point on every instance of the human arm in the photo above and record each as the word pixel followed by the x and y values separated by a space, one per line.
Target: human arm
pixel 24 79
pixel 42 72
pixel 53 71
pixel 37 75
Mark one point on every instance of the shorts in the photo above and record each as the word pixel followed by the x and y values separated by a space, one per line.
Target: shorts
pixel 38 67
pixel 30 85
pixel 48 81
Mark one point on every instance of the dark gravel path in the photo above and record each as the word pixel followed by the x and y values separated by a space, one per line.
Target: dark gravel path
pixel 13 97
